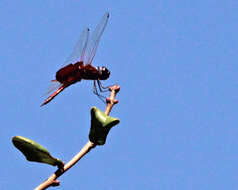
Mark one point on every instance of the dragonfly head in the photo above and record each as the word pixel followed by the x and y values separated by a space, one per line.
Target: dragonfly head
pixel 104 73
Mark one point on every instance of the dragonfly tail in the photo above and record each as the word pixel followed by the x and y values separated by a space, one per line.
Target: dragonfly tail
pixel 52 96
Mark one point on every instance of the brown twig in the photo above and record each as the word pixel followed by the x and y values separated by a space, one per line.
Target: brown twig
pixel 112 101
pixel 51 181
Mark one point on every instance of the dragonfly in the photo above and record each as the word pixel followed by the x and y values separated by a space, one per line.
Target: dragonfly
pixel 79 64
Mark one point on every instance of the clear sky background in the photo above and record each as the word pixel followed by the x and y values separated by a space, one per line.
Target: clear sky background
pixel 176 63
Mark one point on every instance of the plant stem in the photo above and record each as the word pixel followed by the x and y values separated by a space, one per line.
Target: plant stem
pixel 51 181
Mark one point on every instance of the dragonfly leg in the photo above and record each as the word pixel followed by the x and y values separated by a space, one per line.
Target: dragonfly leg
pixel 101 87
pixel 95 91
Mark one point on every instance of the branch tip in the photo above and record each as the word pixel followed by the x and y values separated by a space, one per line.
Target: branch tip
pixel 55 183
pixel 115 87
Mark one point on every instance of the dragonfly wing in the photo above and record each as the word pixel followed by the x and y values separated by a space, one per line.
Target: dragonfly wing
pixel 95 38
pixel 78 52
pixel 52 96
pixel 54 84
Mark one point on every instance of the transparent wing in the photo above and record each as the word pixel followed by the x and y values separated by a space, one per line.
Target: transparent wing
pixel 78 52
pixel 95 38
pixel 54 84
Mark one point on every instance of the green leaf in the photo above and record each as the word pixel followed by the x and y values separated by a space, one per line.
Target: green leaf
pixel 100 126
pixel 35 152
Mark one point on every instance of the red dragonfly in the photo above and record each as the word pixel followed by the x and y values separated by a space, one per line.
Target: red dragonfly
pixel 79 64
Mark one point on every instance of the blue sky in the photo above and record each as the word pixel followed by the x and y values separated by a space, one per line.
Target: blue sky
pixel 176 64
